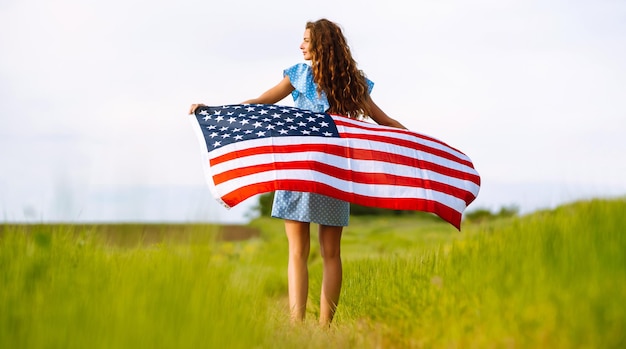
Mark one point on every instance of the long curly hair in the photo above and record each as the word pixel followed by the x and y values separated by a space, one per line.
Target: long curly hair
pixel 335 71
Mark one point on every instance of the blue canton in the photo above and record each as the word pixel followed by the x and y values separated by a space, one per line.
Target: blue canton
pixel 233 123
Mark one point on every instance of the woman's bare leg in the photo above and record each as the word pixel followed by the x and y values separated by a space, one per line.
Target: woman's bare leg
pixel 299 238
pixel 330 248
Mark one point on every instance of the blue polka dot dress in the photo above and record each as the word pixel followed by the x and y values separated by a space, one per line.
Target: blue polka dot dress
pixel 302 206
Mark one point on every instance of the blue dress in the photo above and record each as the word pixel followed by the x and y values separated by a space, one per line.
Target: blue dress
pixel 302 206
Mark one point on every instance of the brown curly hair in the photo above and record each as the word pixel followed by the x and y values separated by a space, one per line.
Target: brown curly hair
pixel 335 71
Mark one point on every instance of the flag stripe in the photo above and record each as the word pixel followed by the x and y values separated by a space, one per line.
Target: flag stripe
pixel 408 144
pixel 383 191
pixel 346 175
pixel 363 139
pixel 397 203
pixel 398 132
pixel 434 163
pixel 229 170
pixel 347 125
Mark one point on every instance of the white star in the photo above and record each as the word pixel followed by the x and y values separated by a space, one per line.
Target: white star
pixel 267 120
pixel 217 144
pixel 314 129
pixel 324 124
pixel 260 133
pixel 225 135
pixel 204 112
pixel 213 135
pixel 247 132
pixel 327 134
pixel 288 119
pixel 263 112
pixel 219 118
pixel 250 108
pixel 280 123
pixel 270 127
pixel 276 115
pixel 238 137
pixel 223 128
pixel 217 112
pixel 211 127
pixel 311 119
pixel 236 130
pixel 298 115
pixel 257 124
pixel 292 127
pixel 244 122
pixel 207 117
pixel 283 131
pixel 231 120
pixel 302 124
pixel 305 132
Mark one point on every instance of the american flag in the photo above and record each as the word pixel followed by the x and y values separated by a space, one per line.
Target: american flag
pixel 257 148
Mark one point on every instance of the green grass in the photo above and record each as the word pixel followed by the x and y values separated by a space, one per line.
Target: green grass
pixel 553 279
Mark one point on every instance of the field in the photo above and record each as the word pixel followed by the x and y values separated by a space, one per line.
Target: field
pixel 552 279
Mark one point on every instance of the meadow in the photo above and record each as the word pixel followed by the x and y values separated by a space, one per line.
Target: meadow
pixel 550 279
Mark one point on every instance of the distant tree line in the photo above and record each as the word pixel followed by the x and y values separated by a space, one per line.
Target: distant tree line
pixel 483 214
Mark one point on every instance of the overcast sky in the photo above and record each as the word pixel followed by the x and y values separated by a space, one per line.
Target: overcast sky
pixel 94 94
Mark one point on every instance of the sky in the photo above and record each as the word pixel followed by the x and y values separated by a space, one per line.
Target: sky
pixel 94 95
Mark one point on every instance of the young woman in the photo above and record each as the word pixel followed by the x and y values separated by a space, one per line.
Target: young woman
pixel 331 83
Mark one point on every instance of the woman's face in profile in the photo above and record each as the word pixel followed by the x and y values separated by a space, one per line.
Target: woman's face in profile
pixel 306 44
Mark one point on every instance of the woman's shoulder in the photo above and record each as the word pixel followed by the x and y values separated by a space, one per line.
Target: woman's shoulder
pixel 298 69
pixel 300 75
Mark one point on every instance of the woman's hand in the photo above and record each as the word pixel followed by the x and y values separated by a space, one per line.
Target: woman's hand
pixel 194 107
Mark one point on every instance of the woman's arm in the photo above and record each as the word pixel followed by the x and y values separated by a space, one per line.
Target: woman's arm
pixel 274 94
pixel 271 96
pixel 379 116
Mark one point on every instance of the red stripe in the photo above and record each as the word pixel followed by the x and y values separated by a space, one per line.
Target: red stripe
pixel 357 154
pixel 447 213
pixel 347 175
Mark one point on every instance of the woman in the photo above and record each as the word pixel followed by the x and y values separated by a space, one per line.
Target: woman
pixel 333 84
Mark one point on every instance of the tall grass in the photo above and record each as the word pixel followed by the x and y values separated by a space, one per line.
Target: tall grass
pixel 64 289
pixel 550 280
pixel 554 279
